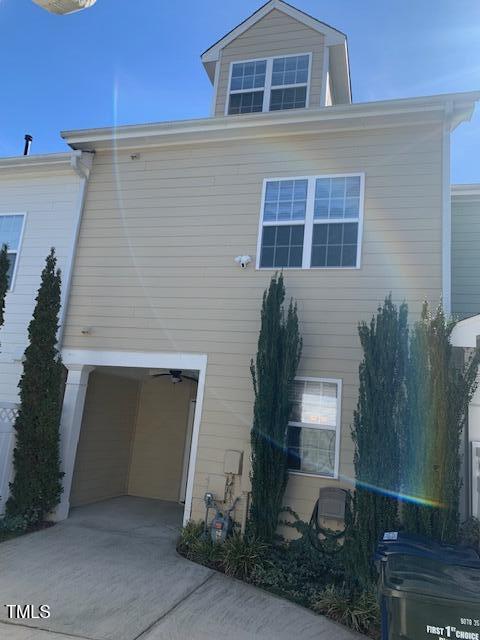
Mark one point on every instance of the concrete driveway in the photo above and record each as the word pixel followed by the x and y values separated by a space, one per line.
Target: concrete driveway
pixel 111 572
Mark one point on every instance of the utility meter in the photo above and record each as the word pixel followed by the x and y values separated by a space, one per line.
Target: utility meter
pixel 62 7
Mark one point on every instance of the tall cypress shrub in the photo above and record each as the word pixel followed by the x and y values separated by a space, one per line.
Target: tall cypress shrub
pixel 278 356
pixel 440 388
pixel 36 488
pixel 375 432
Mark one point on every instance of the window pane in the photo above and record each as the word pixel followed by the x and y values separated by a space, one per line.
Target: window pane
pixel 337 198
pixel 10 230
pixel 285 200
pixel 12 259
pixel 314 402
pixel 311 450
pixel 335 245
pixel 251 102
pixel 282 246
pixel 248 75
pixel 290 70
pixel 295 98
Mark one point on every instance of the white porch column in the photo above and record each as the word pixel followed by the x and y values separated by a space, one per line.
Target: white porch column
pixel 70 425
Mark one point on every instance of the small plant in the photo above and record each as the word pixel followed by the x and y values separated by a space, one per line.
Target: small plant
pixel 359 611
pixel 243 557
pixel 470 533
pixel 189 535
pixel 14 525
pixel 194 545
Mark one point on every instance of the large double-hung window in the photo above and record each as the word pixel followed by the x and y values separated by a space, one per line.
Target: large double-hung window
pixel 313 222
pixel 269 84
pixel 11 231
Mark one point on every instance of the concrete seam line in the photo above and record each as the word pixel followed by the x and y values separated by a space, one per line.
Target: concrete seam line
pixel 173 607
pixel 56 633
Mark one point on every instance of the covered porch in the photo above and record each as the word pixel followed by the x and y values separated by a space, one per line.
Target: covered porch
pixel 130 425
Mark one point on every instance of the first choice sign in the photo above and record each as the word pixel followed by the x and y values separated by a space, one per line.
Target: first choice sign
pixel 449 632
pixel 62 7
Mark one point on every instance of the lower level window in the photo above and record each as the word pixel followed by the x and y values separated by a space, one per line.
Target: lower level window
pixel 314 428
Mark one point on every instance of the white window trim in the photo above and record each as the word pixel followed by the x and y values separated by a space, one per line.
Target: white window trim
pixel 309 220
pixel 19 248
pixel 337 428
pixel 267 89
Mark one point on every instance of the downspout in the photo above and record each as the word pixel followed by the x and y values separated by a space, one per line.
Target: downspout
pixel 446 212
pixel 81 163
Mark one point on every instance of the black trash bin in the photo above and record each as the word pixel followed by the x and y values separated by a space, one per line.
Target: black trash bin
pixel 411 544
pixel 429 598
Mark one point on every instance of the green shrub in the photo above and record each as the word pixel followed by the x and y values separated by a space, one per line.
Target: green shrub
pixel 470 533
pixel 189 534
pixel 298 570
pixel 194 545
pixel 13 525
pixel 206 552
pixel 358 610
pixel 243 557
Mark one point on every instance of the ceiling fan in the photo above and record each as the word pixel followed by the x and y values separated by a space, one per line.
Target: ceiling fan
pixel 63 7
pixel 176 376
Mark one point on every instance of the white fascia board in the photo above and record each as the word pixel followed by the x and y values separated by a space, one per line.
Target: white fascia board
pixel 332 36
pixel 465 190
pixel 340 117
pixel 77 161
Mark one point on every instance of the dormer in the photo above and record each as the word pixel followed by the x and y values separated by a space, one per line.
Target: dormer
pixel 279 58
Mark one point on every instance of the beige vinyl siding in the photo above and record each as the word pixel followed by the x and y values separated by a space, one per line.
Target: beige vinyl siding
pixel 155 266
pixel 104 448
pixel 159 443
pixel 466 255
pixel 276 34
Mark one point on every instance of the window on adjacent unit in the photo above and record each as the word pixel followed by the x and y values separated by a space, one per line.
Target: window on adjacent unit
pixel 11 229
pixel 314 427
pixel 313 222
pixel 271 84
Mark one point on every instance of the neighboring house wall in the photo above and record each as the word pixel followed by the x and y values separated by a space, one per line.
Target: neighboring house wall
pixel 277 34
pixel 49 192
pixel 155 268
pixel 159 444
pixel 465 250
pixel 104 448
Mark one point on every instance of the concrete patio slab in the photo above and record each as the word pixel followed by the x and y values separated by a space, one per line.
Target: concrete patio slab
pixel 111 572
pixel 106 583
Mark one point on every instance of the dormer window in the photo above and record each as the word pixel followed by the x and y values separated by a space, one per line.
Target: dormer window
pixel 269 84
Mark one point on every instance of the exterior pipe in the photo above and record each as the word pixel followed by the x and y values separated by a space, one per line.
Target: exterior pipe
pixel 81 163
pixel 28 144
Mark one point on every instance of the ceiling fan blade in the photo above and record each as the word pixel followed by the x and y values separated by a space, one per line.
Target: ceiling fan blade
pixel 190 378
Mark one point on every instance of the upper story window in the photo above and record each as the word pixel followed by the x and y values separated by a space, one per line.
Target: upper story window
pixel 311 222
pixel 270 84
pixel 11 231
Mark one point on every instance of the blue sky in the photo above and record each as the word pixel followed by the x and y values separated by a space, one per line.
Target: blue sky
pixel 132 61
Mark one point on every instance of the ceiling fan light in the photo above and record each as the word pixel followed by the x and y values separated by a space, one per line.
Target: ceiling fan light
pixel 176 376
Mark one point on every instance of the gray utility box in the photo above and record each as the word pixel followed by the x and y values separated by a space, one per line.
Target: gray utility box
pixel 429 597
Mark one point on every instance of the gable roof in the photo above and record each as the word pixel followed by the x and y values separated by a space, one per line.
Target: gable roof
pixel 332 36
